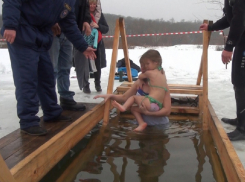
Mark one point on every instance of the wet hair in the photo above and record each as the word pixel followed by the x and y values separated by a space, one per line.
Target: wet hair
pixel 153 55
pixel 92 1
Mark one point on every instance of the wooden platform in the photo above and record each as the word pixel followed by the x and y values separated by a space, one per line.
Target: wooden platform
pixel 31 157
pixel 194 113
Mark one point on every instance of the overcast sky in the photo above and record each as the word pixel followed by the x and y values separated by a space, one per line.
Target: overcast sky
pixel 166 9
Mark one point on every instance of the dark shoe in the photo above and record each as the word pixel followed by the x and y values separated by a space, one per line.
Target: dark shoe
pixel 236 135
pixel 68 104
pixel 60 118
pixel 97 86
pixel 35 130
pixel 230 121
pixel 86 89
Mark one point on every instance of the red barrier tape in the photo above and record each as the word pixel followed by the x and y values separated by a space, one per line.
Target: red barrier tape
pixel 147 35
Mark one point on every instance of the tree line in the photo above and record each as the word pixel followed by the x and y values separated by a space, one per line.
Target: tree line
pixel 143 26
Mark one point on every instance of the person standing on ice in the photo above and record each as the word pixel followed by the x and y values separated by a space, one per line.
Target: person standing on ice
pixel 61 54
pixel 82 63
pixel 27 30
pixel 234 17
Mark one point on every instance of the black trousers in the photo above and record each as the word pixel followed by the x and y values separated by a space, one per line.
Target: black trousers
pixel 240 106
pixel 238 80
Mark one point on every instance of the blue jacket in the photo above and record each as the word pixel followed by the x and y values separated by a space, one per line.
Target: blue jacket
pixel 33 19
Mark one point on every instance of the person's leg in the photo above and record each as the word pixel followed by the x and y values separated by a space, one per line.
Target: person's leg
pixel 138 116
pixel 61 53
pixel 64 67
pixel 82 69
pixel 24 62
pixel 97 74
pixel 129 102
pixel 238 75
pixel 239 133
pixel 46 89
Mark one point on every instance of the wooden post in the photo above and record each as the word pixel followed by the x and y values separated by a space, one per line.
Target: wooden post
pixel 112 72
pixel 205 79
pixel 199 77
pixel 5 174
pixel 125 48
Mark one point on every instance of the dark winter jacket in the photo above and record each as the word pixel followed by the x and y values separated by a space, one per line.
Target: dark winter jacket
pixel 103 28
pixel 121 63
pixel 33 19
pixel 82 13
pixel 234 17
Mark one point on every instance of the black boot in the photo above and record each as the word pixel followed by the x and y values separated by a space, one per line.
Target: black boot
pixel 35 130
pixel 97 86
pixel 236 135
pixel 239 133
pixel 68 104
pixel 230 121
pixel 86 89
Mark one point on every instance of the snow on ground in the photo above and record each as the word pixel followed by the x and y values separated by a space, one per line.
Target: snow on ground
pixel 180 62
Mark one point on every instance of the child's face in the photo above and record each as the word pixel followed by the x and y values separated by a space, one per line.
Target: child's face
pixel 149 64
pixel 92 7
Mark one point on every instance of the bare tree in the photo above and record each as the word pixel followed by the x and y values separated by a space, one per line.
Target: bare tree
pixel 218 2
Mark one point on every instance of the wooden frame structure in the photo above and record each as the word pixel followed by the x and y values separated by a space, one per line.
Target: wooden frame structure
pixel 38 163
pixel 231 163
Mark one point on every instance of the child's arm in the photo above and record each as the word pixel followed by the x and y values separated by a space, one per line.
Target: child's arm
pixel 144 75
pixel 98 11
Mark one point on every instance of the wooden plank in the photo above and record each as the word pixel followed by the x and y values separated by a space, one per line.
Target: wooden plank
pixel 15 145
pixel 177 91
pixel 18 149
pixel 183 91
pixel 112 71
pixel 200 106
pixel 200 72
pixel 5 175
pixel 205 78
pixel 231 163
pixel 171 87
pixel 171 117
pixel 213 156
pixel 38 163
pixel 199 76
pixel 128 83
pixel 182 86
pixel 125 48
pixel 6 139
pixel 184 109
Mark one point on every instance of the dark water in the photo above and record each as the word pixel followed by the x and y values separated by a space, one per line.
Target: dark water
pixel 178 152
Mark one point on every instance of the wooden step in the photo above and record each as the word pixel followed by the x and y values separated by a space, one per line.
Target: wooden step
pixel 185 109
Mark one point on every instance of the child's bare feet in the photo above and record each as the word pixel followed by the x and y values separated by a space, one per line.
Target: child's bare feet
pixel 118 106
pixel 141 127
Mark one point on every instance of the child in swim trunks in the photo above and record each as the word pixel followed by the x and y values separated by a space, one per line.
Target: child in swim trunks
pixel 157 82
